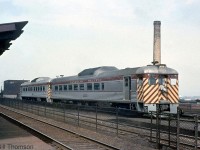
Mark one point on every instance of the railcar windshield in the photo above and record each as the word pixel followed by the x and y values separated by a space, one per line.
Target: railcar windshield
pixel 162 79
pixel 140 81
pixel 152 80
pixel 173 81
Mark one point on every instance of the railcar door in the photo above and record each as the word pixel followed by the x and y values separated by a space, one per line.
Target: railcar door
pixel 127 88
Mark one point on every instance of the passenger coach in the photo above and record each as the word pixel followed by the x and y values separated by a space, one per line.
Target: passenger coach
pixel 38 89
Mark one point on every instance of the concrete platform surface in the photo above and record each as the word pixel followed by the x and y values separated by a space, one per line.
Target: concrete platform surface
pixel 13 137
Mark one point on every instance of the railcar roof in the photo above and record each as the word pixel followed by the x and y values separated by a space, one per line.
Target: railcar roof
pixel 156 69
pixel 99 72
pixel 38 81
pixel 41 79
pixel 121 72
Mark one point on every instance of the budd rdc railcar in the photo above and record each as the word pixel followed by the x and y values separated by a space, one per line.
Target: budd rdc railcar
pixel 139 88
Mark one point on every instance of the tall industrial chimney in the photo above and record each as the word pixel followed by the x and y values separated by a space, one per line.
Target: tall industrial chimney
pixel 156 43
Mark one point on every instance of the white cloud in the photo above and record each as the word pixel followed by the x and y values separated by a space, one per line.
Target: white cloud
pixel 191 1
pixel 92 14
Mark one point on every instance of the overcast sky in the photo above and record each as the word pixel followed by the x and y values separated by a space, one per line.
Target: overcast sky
pixel 64 37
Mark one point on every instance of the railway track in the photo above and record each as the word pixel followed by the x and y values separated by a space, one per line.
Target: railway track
pixel 58 137
pixel 124 127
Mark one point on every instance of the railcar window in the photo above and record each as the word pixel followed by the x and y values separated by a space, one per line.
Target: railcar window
pixel 43 88
pixel 70 87
pixel 96 86
pixel 126 81
pixel 60 87
pixel 40 88
pixel 134 85
pixel 102 86
pixel 75 87
pixel 140 81
pixel 89 86
pixel 65 87
pixel 152 81
pixel 56 88
pixel 161 81
pixel 81 86
pixel 173 81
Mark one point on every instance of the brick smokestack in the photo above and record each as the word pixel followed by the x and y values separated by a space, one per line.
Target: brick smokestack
pixel 157 43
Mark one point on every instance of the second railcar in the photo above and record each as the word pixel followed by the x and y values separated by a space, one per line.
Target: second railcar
pixel 38 89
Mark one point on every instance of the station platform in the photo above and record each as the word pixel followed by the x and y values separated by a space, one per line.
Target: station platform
pixel 12 137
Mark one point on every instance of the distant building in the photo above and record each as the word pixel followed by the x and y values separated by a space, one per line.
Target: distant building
pixel 198 101
pixel 12 88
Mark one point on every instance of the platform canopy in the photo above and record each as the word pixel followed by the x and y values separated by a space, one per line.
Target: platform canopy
pixel 9 32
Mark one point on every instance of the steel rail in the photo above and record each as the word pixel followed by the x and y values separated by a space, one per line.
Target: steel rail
pixel 164 132
pixel 35 131
pixel 75 133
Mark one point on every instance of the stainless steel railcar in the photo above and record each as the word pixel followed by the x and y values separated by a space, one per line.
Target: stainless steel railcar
pixel 139 88
pixel 102 84
pixel 158 84
pixel 134 88
pixel 38 89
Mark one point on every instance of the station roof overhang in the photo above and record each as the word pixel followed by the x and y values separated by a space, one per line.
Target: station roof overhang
pixel 9 32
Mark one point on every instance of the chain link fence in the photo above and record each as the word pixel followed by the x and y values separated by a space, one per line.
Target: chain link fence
pixel 174 130
pixel 163 129
pixel 101 119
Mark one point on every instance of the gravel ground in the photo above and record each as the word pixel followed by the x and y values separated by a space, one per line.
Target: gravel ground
pixel 123 142
pixel 13 137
